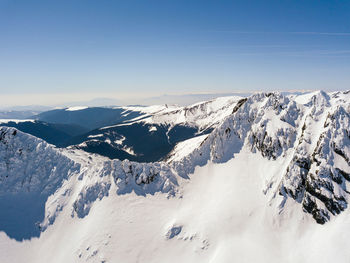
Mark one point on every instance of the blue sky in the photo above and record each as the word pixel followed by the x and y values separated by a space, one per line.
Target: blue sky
pixel 154 47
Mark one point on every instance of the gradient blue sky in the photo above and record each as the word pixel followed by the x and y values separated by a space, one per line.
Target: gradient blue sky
pixel 156 47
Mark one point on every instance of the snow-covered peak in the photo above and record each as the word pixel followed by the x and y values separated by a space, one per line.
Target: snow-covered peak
pixel 279 127
pixel 29 164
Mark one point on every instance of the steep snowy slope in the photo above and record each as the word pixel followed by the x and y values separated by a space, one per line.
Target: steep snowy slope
pixel 272 169
pixel 32 170
pixel 220 215
pixel 313 138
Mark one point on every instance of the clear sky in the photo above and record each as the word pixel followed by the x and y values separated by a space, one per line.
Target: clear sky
pixel 180 46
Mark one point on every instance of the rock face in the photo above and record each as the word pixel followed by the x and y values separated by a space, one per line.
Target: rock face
pixel 318 176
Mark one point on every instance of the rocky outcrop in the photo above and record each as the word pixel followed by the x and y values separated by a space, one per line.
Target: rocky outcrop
pixel 313 136
pixel 317 176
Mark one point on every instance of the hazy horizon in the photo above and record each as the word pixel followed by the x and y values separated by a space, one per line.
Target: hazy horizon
pixel 31 101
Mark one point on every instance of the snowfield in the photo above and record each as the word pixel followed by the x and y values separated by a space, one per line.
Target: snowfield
pixel 268 184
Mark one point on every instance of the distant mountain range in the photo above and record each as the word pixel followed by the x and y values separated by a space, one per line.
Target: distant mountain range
pixel 138 133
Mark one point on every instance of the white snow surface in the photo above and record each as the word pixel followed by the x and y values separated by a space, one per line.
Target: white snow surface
pixel 152 129
pixel 229 196
pixel 202 115
pixel 95 136
pixel 76 108
pixel 15 120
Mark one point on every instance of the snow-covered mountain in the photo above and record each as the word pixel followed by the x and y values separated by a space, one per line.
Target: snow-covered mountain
pixel 268 173
pixel 312 137
pixel 138 133
pixel 155 131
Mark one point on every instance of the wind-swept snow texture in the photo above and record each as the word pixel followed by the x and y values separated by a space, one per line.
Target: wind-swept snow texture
pixel 270 183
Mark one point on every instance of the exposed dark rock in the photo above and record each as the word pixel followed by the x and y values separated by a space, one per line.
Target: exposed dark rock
pixel 239 104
